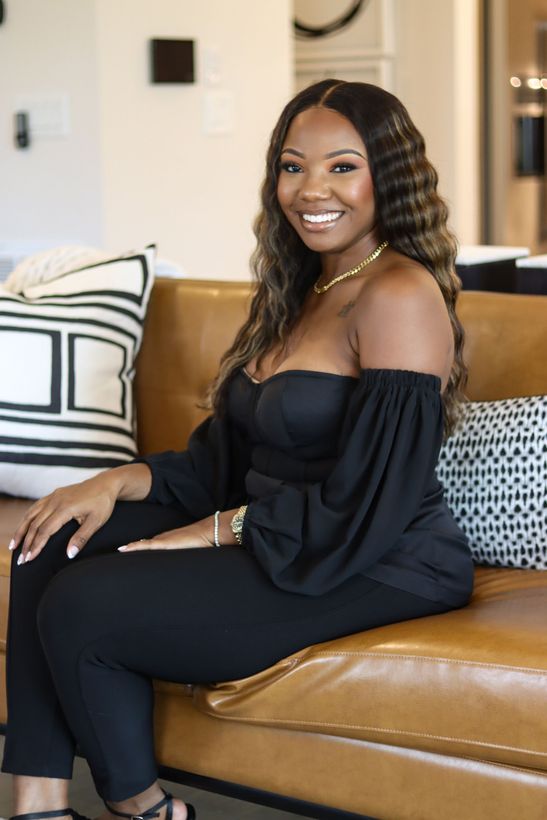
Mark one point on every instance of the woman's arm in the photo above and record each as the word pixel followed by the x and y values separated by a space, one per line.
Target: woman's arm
pixel 208 475
pixel 198 534
pixel 88 502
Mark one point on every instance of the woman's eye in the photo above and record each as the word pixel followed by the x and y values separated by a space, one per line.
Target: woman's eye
pixel 343 168
pixel 291 167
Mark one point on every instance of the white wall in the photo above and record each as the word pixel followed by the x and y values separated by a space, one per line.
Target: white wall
pixel 437 78
pixel 52 189
pixel 137 166
pixel 163 179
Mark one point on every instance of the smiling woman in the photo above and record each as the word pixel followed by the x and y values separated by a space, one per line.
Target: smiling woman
pixel 306 505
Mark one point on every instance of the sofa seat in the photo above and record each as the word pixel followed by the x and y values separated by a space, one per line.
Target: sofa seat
pixel 404 683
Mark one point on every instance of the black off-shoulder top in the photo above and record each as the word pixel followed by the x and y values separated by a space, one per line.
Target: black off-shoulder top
pixel 338 473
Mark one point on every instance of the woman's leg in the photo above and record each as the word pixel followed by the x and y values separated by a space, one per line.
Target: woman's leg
pixel 39 746
pixel 110 625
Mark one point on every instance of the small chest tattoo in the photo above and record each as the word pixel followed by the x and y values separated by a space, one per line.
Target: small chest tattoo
pixel 343 312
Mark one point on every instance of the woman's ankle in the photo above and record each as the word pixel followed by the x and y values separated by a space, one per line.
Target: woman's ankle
pixel 139 803
pixel 143 801
pixel 37 794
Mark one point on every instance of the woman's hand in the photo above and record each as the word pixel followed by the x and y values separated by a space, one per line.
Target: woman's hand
pixel 89 502
pixel 198 534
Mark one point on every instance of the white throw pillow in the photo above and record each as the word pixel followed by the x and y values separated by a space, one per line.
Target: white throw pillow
pixel 494 471
pixel 67 354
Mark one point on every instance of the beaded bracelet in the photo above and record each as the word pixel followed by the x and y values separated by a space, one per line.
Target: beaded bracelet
pixel 217 542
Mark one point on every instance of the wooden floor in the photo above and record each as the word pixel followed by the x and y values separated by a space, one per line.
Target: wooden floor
pixel 208 806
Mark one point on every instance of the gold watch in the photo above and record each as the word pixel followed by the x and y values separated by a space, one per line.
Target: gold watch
pixel 237 523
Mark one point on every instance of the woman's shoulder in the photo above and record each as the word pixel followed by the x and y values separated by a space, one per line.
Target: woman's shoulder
pixel 399 276
pixel 401 319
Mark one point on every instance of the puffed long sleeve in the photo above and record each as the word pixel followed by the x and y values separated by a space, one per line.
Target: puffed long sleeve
pixel 208 475
pixel 311 539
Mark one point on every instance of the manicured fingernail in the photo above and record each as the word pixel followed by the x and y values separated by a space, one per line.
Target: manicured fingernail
pixel 72 551
pixel 121 549
pixel 20 560
pixel 29 556
pixel 11 545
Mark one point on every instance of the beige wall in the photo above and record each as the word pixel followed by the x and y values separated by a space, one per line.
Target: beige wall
pixel 163 179
pixel 53 189
pixel 436 76
pixel 137 166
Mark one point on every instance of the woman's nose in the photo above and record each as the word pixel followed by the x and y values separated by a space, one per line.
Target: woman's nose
pixel 315 188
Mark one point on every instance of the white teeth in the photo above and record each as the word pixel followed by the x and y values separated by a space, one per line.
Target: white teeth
pixel 330 217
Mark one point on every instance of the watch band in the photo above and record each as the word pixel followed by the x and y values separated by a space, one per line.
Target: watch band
pixel 237 523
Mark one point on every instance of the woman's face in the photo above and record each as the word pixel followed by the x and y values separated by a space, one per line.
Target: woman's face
pixel 325 188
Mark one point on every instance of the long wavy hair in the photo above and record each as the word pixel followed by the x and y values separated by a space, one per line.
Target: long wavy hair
pixel 410 215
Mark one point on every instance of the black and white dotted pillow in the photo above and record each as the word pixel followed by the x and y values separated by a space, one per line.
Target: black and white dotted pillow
pixel 494 472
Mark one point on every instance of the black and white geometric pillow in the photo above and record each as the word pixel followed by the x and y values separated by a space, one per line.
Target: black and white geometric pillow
pixel 67 354
pixel 494 472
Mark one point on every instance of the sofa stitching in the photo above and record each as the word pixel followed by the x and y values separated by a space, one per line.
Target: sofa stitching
pixel 397 656
pixel 330 725
pixel 505 766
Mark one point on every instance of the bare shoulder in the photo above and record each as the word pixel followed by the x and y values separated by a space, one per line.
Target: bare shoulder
pixel 402 321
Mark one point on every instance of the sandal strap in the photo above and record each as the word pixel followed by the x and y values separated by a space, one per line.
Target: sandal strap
pixel 39 815
pixel 145 815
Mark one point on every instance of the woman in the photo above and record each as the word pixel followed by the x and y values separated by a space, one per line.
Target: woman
pixel 314 473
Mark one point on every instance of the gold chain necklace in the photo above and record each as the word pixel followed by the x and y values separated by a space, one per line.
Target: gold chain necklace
pixel 370 258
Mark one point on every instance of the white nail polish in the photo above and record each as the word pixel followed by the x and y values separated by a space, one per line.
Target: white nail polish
pixel 121 549
pixel 29 556
pixel 72 551
pixel 11 545
pixel 20 560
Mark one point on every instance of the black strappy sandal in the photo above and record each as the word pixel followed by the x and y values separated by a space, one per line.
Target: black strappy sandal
pixel 40 815
pixel 152 812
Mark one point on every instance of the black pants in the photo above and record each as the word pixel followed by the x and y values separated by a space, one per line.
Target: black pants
pixel 85 638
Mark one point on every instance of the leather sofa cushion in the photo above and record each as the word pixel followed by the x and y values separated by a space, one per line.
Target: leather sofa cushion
pixel 444 683
pixel 189 325
pixel 11 512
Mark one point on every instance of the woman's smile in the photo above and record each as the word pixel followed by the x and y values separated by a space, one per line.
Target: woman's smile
pixel 320 220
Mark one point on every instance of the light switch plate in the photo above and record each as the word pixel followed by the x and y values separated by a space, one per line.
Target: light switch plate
pixel 49 114
pixel 218 112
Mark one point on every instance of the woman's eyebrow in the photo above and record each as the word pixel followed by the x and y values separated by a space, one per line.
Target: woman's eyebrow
pixel 327 156
pixel 343 151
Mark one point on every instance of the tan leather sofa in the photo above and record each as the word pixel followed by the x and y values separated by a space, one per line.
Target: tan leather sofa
pixel 438 718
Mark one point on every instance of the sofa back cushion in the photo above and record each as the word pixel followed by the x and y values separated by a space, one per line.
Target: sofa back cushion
pixel 190 323
pixel 505 345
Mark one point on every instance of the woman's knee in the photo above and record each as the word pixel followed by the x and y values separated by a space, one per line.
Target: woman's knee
pixel 62 608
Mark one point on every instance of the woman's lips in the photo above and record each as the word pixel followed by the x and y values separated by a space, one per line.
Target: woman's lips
pixel 323 221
